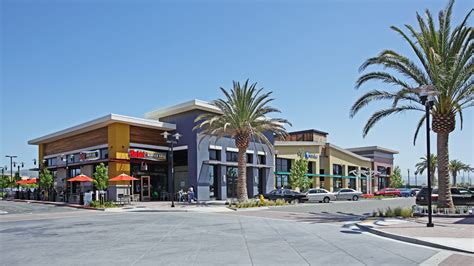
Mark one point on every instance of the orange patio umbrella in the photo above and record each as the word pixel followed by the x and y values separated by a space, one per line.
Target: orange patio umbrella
pixel 22 182
pixel 80 178
pixel 123 177
pixel 31 181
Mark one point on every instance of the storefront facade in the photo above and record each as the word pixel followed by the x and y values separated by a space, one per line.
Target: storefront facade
pixel 136 147
pixel 330 166
pixel 212 162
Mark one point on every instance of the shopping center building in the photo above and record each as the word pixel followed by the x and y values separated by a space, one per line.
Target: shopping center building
pixel 135 146
pixel 366 168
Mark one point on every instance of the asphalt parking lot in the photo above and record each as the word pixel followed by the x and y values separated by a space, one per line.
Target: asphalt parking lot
pixel 12 207
pixel 195 238
pixel 361 207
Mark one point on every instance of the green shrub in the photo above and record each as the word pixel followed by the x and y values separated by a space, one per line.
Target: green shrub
pixel 389 212
pixel 397 212
pixel 380 213
pixel 406 212
pixel 106 204
pixel 258 203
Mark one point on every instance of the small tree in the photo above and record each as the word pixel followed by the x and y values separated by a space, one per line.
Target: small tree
pixel 6 182
pixel 298 178
pixel 46 181
pixel 396 178
pixel 101 179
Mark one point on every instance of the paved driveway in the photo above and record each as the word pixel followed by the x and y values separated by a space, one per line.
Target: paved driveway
pixel 357 208
pixel 197 239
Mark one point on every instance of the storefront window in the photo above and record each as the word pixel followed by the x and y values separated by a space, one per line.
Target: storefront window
pixel 214 155
pixel 74 172
pixel 231 182
pixel 213 184
pixel 232 156
pixel 249 158
pixel 282 181
pixel 337 169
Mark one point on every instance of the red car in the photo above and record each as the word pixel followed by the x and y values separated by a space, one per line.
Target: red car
pixel 388 192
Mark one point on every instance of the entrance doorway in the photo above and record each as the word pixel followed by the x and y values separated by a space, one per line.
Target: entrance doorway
pixel 145 191
pixel 231 180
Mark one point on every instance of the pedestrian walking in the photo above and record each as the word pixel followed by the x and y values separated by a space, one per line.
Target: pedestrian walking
pixel 190 194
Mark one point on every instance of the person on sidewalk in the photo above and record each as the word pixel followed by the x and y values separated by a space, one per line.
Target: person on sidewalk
pixel 190 194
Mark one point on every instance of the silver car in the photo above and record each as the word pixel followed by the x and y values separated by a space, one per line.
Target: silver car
pixel 320 195
pixel 348 194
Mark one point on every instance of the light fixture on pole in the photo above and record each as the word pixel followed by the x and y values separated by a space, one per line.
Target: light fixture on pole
pixel 427 95
pixel 11 166
pixel 3 177
pixel 19 165
pixel 171 139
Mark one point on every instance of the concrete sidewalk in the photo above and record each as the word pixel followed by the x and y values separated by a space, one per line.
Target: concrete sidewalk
pixel 456 234
pixel 150 206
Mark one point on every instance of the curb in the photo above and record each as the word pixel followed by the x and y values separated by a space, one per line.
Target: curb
pixel 57 204
pixel 409 239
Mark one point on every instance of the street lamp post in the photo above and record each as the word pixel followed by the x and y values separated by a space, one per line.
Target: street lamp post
pixel 172 139
pixel 39 176
pixel 426 94
pixel 11 166
pixel 3 177
pixel 15 164
pixel 65 158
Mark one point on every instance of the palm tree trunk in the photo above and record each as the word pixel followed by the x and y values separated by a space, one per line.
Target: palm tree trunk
pixel 242 181
pixel 444 191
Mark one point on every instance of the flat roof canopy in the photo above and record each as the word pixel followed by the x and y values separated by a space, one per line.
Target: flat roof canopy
pixel 102 122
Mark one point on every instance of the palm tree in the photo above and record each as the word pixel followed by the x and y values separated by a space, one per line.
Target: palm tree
pixel 455 167
pixel 444 59
pixel 423 165
pixel 244 118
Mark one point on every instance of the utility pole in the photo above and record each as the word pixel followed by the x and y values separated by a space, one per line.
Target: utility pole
pixel 11 167
pixel 408 177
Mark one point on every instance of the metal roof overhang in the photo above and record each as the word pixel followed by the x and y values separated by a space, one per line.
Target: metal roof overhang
pixel 102 122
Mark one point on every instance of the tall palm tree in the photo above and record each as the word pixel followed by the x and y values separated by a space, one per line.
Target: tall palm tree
pixel 444 59
pixel 455 167
pixel 244 118
pixel 423 165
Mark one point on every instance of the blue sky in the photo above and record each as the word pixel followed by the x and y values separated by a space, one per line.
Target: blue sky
pixel 66 62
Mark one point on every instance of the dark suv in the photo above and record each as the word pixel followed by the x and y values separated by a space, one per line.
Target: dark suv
pixel 460 196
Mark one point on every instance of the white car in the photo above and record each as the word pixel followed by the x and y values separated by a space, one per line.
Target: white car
pixel 348 194
pixel 320 195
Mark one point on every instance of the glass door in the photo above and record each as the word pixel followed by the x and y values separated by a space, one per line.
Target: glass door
pixel 145 191
pixel 231 180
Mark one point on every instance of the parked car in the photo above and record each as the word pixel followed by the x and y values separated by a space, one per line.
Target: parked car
pixel 471 189
pixel 460 196
pixel 388 192
pixel 405 192
pixel 348 194
pixel 414 191
pixel 408 192
pixel 320 195
pixel 286 194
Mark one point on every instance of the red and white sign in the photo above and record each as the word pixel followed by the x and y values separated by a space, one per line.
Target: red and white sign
pixel 147 155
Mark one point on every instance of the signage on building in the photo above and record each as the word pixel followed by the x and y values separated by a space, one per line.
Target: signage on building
pixel 89 155
pixel 308 155
pixel 147 155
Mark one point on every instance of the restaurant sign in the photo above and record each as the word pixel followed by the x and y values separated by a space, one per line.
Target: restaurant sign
pixel 89 155
pixel 147 155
